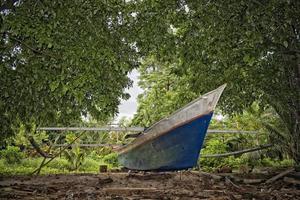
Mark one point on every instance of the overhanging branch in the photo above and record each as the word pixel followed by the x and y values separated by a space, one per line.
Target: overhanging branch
pixel 7 5
pixel 32 49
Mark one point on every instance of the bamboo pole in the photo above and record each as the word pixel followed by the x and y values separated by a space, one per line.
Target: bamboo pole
pixel 57 154
pixel 214 131
pixel 237 152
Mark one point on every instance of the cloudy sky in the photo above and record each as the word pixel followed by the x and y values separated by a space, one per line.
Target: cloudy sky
pixel 129 107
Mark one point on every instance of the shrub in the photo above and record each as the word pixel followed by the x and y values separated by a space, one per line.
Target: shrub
pixel 91 165
pixel 59 163
pixel 94 155
pixel 213 146
pixel 12 155
pixel 111 159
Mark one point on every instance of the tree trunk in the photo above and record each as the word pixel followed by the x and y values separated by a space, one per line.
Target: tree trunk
pixel 296 113
pixel 286 102
pixel 295 108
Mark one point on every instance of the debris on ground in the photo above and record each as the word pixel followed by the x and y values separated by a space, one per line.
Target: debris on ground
pixel 151 185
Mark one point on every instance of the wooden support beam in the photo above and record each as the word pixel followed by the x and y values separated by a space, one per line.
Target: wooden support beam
pixel 278 176
pixel 213 176
pixel 236 152
pixel 213 131
pixel 291 180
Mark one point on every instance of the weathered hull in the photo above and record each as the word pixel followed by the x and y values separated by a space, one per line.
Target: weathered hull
pixel 174 142
pixel 174 150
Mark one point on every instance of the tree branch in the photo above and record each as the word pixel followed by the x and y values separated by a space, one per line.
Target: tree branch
pixel 57 154
pixel 32 49
pixel 290 52
pixel 37 147
pixel 9 4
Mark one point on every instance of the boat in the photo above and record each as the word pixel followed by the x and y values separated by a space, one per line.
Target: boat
pixel 173 143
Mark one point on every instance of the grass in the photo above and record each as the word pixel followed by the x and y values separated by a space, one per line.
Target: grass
pixel 57 166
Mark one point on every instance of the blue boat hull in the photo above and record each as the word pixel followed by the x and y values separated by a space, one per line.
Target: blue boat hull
pixel 175 150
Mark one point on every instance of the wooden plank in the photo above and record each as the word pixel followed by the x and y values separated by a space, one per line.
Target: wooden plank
pixel 253 181
pixel 291 180
pixel 213 176
pixel 278 176
pixel 231 184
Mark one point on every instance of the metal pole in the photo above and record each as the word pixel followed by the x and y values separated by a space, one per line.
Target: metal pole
pixel 133 129
pixel 104 128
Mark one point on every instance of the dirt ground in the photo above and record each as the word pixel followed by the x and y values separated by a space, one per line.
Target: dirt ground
pixel 175 185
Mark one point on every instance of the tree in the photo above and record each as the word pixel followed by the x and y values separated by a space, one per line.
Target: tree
pixel 164 91
pixel 64 59
pixel 61 60
pixel 254 47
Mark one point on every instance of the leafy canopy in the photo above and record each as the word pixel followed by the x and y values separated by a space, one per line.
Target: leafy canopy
pixel 164 92
pixel 61 60
pixel 254 47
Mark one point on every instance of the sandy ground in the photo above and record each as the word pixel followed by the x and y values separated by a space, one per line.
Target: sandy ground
pixel 175 185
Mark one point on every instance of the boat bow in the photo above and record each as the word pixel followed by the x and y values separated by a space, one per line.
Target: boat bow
pixel 201 106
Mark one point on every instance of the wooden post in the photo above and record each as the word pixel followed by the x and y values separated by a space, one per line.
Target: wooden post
pixel 103 168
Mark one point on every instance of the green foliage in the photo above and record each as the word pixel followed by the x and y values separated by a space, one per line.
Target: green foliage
pixel 58 165
pixel 21 137
pixel 12 155
pixel 13 169
pixel 65 59
pixel 252 46
pixel 164 92
pixel 155 103
pixel 253 118
pixel 243 44
pixel 75 156
pixel 91 165
pixel 213 147
pixel 61 60
pixel 94 155
pixel 111 159
pixel 268 162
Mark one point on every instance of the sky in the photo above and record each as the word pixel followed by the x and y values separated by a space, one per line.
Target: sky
pixel 128 108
